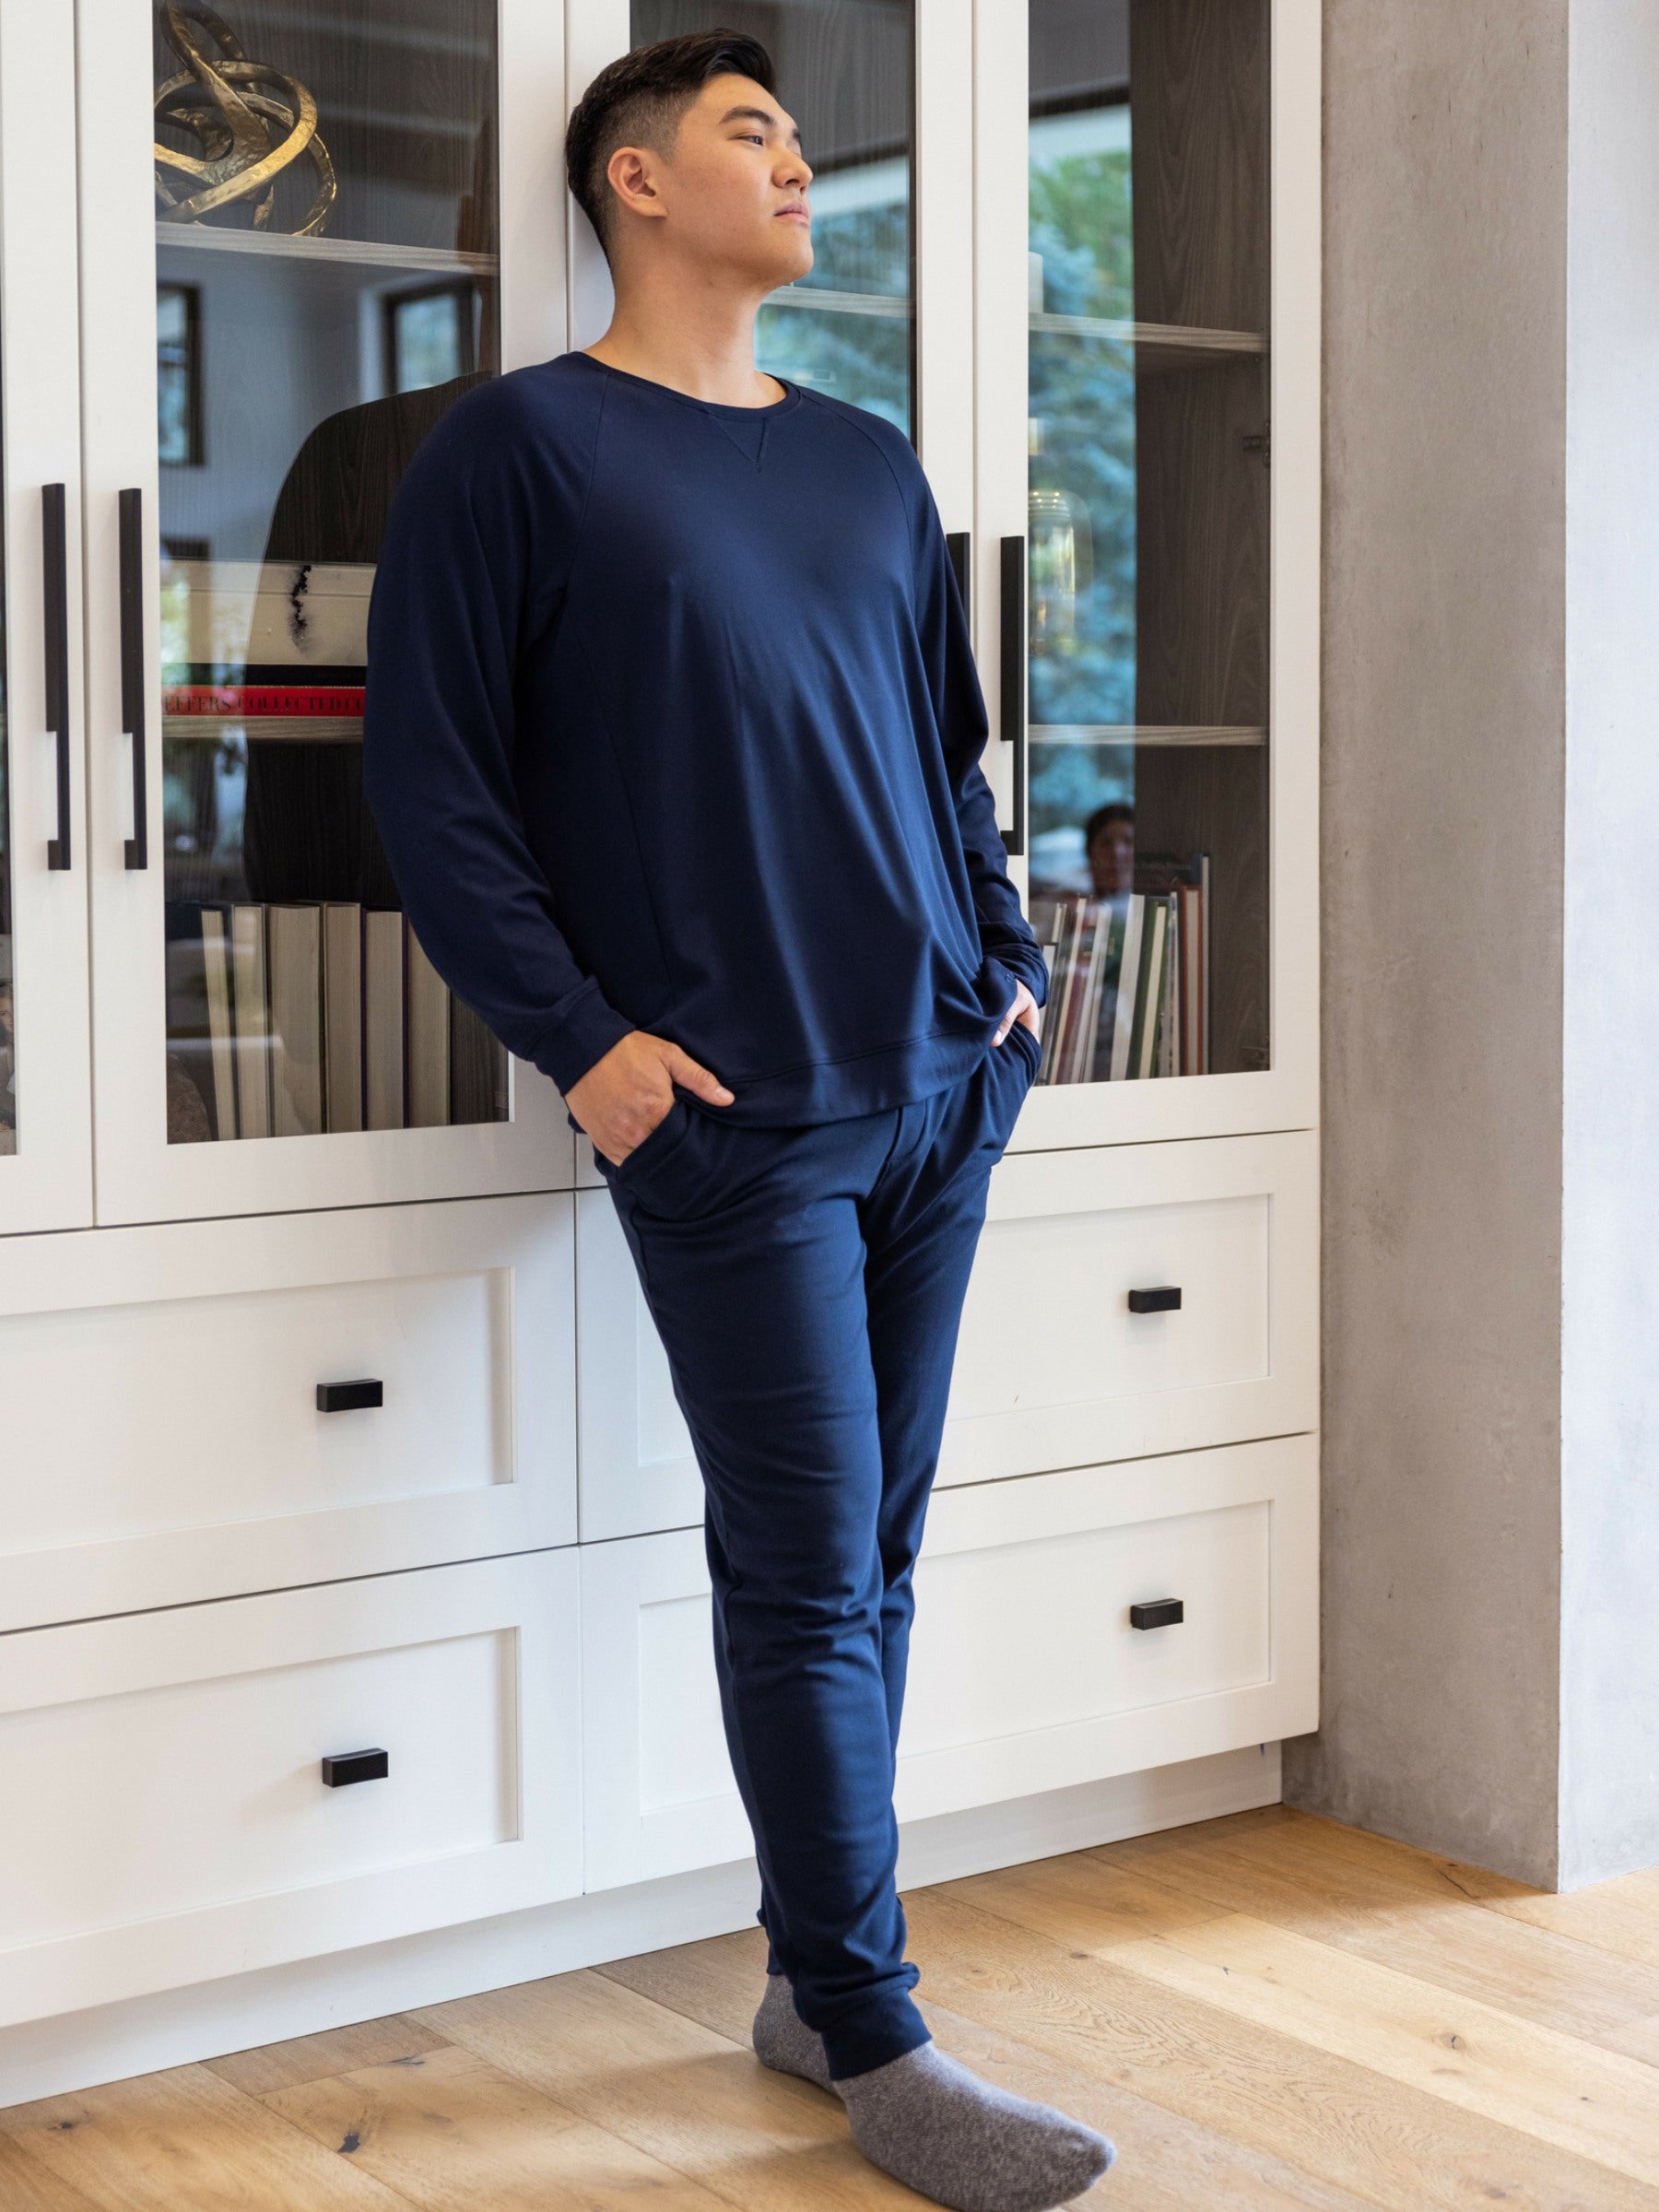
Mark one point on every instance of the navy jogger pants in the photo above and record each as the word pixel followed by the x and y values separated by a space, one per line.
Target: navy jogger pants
pixel 807 1283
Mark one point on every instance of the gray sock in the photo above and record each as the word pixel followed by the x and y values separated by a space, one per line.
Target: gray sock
pixel 782 2039
pixel 933 2126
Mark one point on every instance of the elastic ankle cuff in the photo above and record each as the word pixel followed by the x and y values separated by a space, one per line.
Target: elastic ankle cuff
pixel 858 2046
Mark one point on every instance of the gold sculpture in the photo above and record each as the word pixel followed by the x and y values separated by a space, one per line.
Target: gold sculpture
pixel 250 120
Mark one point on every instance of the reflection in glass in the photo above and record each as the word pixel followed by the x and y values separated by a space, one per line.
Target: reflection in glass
pixel 845 71
pixel 325 260
pixel 1147 534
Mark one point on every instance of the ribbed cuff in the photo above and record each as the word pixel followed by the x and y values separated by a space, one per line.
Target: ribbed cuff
pixel 1023 964
pixel 585 1027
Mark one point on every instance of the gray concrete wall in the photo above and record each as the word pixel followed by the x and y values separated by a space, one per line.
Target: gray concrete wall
pixel 1609 1684
pixel 1443 804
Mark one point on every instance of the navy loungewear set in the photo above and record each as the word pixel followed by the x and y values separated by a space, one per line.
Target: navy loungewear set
pixel 673 724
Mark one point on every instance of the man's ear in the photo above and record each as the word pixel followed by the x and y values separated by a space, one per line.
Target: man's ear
pixel 628 173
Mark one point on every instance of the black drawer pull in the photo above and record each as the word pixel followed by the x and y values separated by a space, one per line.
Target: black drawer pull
pixel 348 1767
pixel 54 581
pixel 130 506
pixel 1166 1299
pixel 346 1397
pixel 1162 1612
pixel 959 546
pixel 1011 576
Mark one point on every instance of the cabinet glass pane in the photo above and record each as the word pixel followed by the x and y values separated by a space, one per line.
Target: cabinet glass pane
pixel 8 1017
pixel 845 71
pixel 325 286
pixel 1147 437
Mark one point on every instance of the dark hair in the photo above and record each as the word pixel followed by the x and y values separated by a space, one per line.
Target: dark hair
pixel 638 99
pixel 1102 819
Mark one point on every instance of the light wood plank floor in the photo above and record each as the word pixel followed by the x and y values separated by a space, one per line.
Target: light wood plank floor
pixel 1268 2010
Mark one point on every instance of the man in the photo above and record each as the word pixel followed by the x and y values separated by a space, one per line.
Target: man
pixel 672 736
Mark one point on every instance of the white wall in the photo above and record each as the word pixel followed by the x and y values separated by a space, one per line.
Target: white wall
pixel 1609 1754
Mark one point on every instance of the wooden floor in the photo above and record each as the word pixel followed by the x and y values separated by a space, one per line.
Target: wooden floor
pixel 1266 2010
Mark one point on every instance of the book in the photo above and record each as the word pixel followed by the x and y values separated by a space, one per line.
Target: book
pixel 477 1067
pixel 221 1037
pixel 343 1016
pixel 382 1018
pixel 250 1020
pixel 426 1038
pixel 1128 990
pixel 1142 1042
pixel 1097 1066
pixel 294 959
pixel 1184 877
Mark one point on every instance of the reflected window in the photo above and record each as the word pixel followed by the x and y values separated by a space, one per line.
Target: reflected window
pixel 430 335
pixel 179 374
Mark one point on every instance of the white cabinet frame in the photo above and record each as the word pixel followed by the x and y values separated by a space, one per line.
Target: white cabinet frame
pixel 47 1182
pixel 141 1177
pixel 1285 1095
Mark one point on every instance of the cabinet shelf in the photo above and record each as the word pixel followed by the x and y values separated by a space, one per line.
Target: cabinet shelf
pixel 1157 345
pixel 1142 734
pixel 820 298
pixel 292 729
pixel 357 253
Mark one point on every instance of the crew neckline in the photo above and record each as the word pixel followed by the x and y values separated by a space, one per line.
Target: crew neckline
pixel 773 408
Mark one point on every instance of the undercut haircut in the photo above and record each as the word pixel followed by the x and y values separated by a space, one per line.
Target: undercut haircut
pixel 639 98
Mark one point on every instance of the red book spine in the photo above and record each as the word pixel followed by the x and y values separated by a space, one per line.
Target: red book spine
pixel 298 699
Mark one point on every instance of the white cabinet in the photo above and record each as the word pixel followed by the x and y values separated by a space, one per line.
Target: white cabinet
pixel 167 1817
pixel 45 1092
pixel 249 1151
pixel 1026 1672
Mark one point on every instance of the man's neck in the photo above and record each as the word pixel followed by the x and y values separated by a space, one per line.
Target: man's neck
pixel 696 338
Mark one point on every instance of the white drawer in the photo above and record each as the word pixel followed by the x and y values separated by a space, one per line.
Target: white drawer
pixel 1026 1673
pixel 1053 1369
pixel 165 1819
pixel 162 1441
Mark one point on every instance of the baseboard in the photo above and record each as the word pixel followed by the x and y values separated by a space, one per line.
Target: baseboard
pixel 76 2051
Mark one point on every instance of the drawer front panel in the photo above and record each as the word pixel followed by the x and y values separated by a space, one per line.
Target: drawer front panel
pixel 200 1463
pixel 1052 1368
pixel 1055 1368
pixel 195 1391
pixel 170 1816
pixel 1036 1633
pixel 1026 1672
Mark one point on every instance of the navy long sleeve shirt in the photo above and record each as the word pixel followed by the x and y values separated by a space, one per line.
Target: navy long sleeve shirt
pixel 672 724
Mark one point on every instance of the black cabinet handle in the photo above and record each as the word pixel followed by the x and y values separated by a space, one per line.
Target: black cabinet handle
pixel 1014 679
pixel 958 544
pixel 346 1397
pixel 347 1767
pixel 1165 1299
pixel 132 666
pixel 1164 1613
pixel 54 602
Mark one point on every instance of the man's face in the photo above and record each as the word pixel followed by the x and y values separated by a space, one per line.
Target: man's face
pixel 733 191
pixel 1112 858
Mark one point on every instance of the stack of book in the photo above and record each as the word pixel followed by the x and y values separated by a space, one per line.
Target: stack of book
pixel 324 1017
pixel 1128 991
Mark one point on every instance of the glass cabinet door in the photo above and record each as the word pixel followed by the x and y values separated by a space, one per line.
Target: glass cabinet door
pixel 45 1154
pixel 1152 507
pixel 309 198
